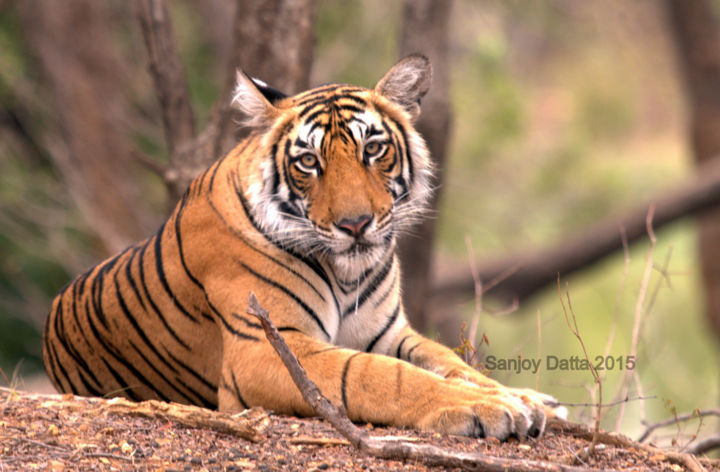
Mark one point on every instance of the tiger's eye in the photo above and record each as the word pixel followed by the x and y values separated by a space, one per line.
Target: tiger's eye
pixel 308 161
pixel 372 148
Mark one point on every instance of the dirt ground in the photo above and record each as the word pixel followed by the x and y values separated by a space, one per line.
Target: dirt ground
pixel 58 433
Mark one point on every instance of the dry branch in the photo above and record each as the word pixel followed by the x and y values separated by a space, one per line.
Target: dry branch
pixel 537 269
pixel 402 450
pixel 675 420
pixel 247 424
pixel 706 445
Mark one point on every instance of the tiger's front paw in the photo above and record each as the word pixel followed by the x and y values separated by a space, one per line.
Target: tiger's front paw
pixel 489 412
pixel 550 404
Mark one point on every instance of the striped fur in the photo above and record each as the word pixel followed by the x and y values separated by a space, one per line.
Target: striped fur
pixel 304 212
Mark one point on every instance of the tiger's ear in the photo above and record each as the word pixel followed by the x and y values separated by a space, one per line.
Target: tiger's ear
pixel 253 102
pixel 406 83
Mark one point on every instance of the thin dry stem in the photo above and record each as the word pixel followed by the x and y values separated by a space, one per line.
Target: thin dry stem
pixel 576 332
pixel 618 296
pixel 624 385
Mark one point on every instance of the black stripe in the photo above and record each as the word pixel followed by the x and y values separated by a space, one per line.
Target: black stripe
pixel 192 372
pixel 234 331
pixel 371 287
pixel 89 388
pixel 408 157
pixel 141 333
pixel 384 296
pixel 161 275
pixel 131 279
pixel 159 374
pixel 385 329
pixel 409 353
pixel 398 354
pixel 56 364
pixel 247 322
pixel 203 401
pixel 136 326
pixel 69 348
pixel 112 351
pixel 237 391
pixel 288 328
pixel 319 271
pixel 347 287
pixel 96 288
pixel 123 385
pixel 287 292
pixel 155 308
pixel 342 91
pixel 343 381
pixel 327 349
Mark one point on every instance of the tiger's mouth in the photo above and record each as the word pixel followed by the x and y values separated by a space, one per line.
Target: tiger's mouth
pixel 359 247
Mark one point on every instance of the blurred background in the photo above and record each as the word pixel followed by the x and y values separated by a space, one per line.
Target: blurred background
pixel 546 118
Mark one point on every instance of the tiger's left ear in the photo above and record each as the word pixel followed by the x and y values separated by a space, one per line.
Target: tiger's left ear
pixel 406 83
pixel 252 102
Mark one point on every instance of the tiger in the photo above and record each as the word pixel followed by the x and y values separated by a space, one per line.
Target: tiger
pixel 305 212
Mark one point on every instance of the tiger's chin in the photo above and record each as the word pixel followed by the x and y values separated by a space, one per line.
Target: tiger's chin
pixel 352 262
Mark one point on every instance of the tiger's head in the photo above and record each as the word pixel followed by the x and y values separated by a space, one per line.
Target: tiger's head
pixel 340 169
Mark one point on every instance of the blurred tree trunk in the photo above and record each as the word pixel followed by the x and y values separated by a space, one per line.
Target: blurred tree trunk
pixel 696 30
pixel 272 40
pixel 425 30
pixel 73 44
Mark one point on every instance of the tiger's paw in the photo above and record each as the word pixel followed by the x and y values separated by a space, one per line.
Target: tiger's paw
pixel 493 412
pixel 550 404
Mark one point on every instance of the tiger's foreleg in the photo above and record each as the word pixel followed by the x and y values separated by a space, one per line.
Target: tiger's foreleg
pixel 435 357
pixel 371 388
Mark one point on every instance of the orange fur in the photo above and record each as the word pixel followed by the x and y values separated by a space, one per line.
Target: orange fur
pixel 305 213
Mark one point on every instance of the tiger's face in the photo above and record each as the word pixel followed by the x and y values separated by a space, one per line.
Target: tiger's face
pixel 342 170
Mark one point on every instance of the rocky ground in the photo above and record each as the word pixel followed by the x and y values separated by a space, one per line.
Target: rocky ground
pixel 58 433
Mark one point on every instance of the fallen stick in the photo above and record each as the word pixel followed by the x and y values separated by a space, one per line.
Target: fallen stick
pixel 247 424
pixel 403 450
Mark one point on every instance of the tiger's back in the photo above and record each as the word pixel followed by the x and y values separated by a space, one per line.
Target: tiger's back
pixel 304 212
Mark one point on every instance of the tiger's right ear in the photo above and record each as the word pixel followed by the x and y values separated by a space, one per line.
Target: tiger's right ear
pixel 250 100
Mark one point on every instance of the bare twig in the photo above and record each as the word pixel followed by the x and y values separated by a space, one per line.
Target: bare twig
pixel 624 385
pixel 430 455
pixel 706 445
pixel 675 420
pixel 598 381
pixel 618 296
pixel 108 456
pixel 607 405
pixel 310 441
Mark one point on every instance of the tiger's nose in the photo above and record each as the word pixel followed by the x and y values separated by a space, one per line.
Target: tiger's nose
pixel 354 227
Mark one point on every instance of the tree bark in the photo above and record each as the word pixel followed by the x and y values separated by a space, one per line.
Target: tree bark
pixel 696 29
pixel 272 40
pixel 72 42
pixel 425 30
